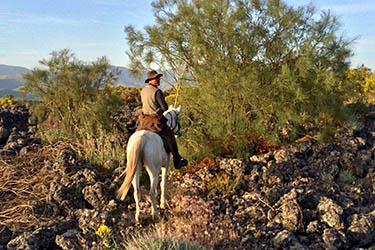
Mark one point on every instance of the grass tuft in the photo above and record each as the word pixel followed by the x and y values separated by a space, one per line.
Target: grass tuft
pixel 346 176
pixel 159 241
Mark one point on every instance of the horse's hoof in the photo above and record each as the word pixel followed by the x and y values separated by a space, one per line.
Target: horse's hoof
pixel 164 206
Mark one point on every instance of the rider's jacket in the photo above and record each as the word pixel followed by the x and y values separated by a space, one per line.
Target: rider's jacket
pixel 153 102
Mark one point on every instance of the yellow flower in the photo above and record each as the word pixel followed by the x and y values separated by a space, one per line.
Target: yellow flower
pixel 7 102
pixel 103 230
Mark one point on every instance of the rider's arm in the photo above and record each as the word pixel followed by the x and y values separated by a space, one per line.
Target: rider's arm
pixel 160 99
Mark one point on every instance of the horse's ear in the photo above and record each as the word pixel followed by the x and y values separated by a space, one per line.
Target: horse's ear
pixel 178 108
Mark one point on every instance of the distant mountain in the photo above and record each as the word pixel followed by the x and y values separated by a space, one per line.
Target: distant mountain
pixel 12 70
pixel 16 94
pixel 11 84
pixel 127 79
pixel 11 79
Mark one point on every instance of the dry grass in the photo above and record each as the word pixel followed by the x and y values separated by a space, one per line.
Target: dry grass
pixel 24 187
pixel 154 240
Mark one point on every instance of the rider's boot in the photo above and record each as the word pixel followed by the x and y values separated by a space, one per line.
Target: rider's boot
pixel 179 162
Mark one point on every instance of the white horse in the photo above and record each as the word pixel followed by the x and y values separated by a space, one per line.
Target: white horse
pixel 147 148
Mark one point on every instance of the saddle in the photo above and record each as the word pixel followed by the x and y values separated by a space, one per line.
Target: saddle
pixel 154 124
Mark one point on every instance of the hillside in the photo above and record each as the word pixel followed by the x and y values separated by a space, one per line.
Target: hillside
pixel 11 79
pixel 302 196
pixel 12 70
pixel 10 84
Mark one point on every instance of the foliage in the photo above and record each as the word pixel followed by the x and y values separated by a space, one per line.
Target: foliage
pixel 170 96
pixel 129 95
pixel 195 166
pixel 7 101
pixel 262 71
pixel 224 184
pixel 74 100
pixel 361 81
pixel 132 95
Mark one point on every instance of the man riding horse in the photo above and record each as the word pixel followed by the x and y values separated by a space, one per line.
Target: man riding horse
pixel 153 107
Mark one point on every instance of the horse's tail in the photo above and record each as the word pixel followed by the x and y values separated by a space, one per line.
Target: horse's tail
pixel 134 154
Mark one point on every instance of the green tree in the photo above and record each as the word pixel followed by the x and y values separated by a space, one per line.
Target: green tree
pixel 73 103
pixel 262 71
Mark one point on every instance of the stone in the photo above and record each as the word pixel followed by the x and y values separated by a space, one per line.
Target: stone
pixel 361 230
pixel 333 238
pixel 4 134
pixel 284 239
pixel 41 238
pixel 68 240
pixel 282 156
pixel 330 213
pixel 5 235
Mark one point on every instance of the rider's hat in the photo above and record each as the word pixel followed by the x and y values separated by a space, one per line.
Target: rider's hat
pixel 152 75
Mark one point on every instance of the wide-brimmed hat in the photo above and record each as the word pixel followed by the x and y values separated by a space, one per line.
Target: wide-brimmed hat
pixel 152 75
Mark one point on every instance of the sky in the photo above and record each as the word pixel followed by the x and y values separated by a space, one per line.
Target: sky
pixel 31 29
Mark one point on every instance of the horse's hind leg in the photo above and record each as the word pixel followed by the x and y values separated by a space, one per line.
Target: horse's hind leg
pixel 163 185
pixel 137 194
pixel 154 179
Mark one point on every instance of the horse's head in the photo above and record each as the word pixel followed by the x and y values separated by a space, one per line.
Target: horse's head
pixel 173 117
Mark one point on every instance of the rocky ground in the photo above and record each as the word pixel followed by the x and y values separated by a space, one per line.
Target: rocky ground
pixel 304 196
